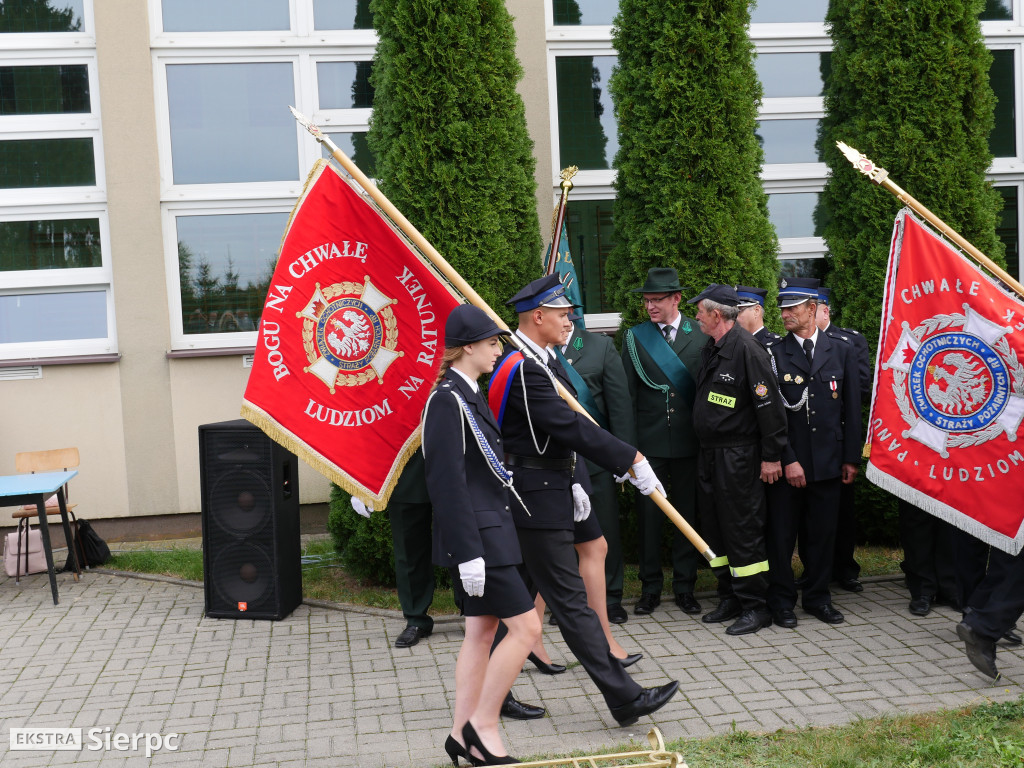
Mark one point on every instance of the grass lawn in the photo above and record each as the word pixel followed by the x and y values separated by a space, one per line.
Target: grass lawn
pixel 323 578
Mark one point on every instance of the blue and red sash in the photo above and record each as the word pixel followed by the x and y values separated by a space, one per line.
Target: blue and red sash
pixel 501 383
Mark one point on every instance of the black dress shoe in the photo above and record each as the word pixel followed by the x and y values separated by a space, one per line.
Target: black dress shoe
pixel 646 604
pixel 547 669
pixel 552 620
pixel 851 585
pixel 980 650
pixel 784 618
pixel 826 613
pixel 630 660
pixel 517 710
pixel 410 636
pixel 922 606
pixel 1011 637
pixel 650 700
pixel 688 602
pixel 750 620
pixel 729 608
pixel 617 614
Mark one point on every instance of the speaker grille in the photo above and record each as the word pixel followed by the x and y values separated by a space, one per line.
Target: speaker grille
pixel 250 494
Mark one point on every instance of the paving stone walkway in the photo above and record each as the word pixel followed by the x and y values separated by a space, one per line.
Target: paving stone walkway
pixel 326 687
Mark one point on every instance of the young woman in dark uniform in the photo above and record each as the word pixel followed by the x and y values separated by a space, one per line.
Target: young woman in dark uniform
pixel 474 536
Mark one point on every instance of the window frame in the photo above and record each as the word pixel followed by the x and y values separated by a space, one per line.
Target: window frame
pixel 59 203
pixel 303 47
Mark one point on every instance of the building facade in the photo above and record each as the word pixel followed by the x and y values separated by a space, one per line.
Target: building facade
pixel 148 164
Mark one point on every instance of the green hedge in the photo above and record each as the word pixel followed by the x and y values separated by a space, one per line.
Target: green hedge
pixel 909 87
pixel 688 192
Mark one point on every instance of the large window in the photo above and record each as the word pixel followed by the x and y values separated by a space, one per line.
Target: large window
pixel 55 275
pixel 233 159
pixel 587 132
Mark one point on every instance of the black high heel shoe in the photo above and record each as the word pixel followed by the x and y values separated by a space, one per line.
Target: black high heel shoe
pixel 473 741
pixel 547 669
pixel 456 750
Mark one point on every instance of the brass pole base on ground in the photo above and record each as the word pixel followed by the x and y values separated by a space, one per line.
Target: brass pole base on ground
pixel 656 757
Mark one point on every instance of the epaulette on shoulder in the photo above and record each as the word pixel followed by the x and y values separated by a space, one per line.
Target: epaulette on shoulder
pixel 840 333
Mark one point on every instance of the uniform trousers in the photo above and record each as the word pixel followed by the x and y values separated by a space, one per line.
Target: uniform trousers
pixel 998 602
pixel 414 571
pixel 810 511
pixel 927 554
pixel 733 514
pixel 551 568
pixel 604 501
pixel 679 476
pixel 970 562
pixel 844 566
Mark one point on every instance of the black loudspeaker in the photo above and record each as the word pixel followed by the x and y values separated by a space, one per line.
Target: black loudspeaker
pixel 252 562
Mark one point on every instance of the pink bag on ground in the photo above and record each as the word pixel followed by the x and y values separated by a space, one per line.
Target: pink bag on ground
pixel 32 540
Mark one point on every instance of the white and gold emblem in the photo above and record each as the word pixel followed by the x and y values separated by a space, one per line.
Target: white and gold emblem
pixel 349 333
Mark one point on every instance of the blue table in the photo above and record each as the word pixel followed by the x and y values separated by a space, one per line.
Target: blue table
pixel 16 490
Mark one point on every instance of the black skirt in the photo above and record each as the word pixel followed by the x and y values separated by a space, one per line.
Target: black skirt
pixel 505 593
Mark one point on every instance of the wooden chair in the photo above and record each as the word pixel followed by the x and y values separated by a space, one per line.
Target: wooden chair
pixel 55 460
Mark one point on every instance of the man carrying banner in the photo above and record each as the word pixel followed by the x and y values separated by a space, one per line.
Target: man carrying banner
pixel 661 358
pixel 820 387
pixel 741 424
pixel 542 435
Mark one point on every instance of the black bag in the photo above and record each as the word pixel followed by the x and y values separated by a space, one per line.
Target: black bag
pixel 90 548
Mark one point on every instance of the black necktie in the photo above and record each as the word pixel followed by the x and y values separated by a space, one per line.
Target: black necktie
pixel 809 350
pixel 667 330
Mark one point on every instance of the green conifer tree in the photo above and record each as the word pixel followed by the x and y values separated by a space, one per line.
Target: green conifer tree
pixel 688 192
pixel 452 152
pixel 450 139
pixel 909 87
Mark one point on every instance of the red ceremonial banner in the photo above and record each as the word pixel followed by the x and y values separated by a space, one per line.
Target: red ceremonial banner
pixel 350 340
pixel 949 389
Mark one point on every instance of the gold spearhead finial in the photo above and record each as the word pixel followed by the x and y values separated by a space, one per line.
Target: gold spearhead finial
pixel 306 123
pixel 567 174
pixel 862 163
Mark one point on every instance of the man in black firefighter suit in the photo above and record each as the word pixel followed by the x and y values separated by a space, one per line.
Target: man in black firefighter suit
pixel 741 425
pixel 820 387
pixel 542 435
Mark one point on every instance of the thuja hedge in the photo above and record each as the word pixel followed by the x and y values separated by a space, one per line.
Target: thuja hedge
pixel 449 135
pixel 452 152
pixel 688 192
pixel 909 87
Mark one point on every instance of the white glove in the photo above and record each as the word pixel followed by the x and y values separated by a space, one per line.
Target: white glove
pixel 360 507
pixel 472 574
pixel 580 503
pixel 622 479
pixel 646 481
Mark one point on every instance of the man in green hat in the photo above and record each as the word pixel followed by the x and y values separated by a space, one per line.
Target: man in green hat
pixel 661 357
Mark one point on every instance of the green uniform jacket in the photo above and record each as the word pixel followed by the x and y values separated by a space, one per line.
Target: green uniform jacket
pixel 665 431
pixel 594 358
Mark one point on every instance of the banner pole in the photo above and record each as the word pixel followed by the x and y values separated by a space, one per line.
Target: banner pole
pixel 559 216
pixel 880 176
pixel 474 298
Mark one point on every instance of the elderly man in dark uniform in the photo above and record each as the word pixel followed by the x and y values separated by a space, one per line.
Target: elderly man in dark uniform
pixel 845 569
pixel 661 357
pixel 595 369
pixel 742 429
pixel 820 387
pixel 542 435
pixel 751 314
